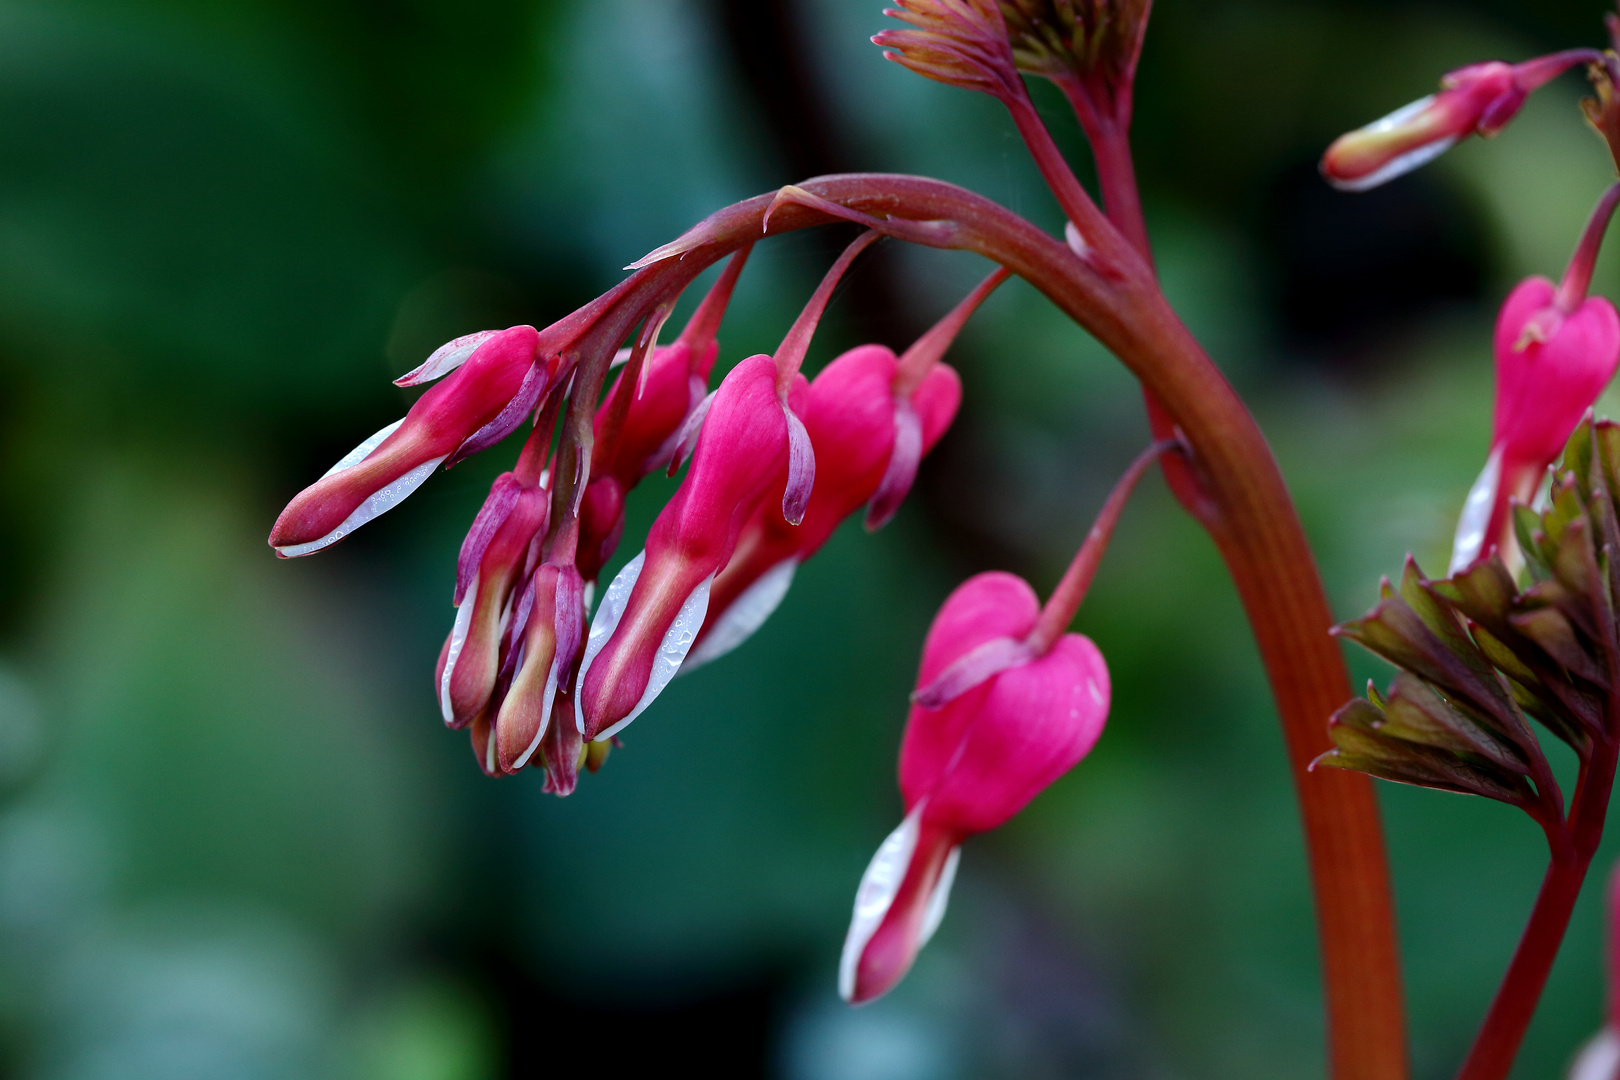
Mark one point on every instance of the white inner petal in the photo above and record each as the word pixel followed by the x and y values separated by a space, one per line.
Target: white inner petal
pixel 446 358
pixel 1476 514
pixel 671 652
pixel 605 622
pixel 1599 1059
pixel 939 897
pixel 1406 162
pixel 876 894
pixel 379 502
pixel 359 453
pixel 746 614
pixel 458 638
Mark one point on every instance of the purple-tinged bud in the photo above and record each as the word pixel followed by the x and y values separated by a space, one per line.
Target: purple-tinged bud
pixel 1478 99
pixel 383 470
pixel 549 644
pixel 651 612
pixel 471 657
pixel 850 413
pixel 968 767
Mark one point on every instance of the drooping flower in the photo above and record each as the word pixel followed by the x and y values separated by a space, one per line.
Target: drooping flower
pixel 1556 349
pixel 1006 702
pixel 547 632
pixel 969 765
pixel 651 612
pixel 496 557
pixel 1479 99
pixel 495 379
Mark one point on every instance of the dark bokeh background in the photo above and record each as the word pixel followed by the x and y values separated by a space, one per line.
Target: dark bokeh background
pixel 235 841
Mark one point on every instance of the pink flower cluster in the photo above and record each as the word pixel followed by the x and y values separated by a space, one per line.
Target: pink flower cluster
pixel 776 463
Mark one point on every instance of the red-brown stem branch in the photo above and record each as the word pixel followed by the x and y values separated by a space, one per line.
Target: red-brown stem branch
pixel 1116 176
pixel 1256 530
pixel 1497 1045
pixel 1572 847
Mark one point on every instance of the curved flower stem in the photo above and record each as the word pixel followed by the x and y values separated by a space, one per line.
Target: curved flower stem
pixel 1064 603
pixel 1254 524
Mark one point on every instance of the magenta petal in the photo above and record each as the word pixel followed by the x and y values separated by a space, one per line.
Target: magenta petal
pixel 801 469
pixel 503 496
pixel 983 662
pixel 670 451
pixel 901 472
pixel 521 405
pixel 446 358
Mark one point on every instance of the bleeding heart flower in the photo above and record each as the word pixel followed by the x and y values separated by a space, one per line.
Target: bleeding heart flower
pixel 970 764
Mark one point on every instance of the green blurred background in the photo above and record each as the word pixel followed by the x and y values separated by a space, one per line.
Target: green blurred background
pixel 235 840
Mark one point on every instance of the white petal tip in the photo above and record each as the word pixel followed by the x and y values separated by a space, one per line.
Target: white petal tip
pixel 745 616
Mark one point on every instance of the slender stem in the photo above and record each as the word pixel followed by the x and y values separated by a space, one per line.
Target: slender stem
pixel 1256 530
pixel 1497 1044
pixel 1578 278
pixel 796 343
pixel 1533 74
pixel 1071 196
pixel 1116 176
pixel 918 360
pixel 1065 601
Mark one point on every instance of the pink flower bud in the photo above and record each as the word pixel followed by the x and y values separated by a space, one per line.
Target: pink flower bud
pixel 968 767
pixel 651 612
pixel 465 408
pixel 1477 99
pixel 471 656
pixel 850 414
pixel 1551 365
